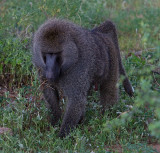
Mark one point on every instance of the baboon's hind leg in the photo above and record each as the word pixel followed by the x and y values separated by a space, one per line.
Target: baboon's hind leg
pixel 108 94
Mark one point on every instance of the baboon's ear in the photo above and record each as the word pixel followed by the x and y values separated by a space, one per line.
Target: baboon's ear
pixel 69 56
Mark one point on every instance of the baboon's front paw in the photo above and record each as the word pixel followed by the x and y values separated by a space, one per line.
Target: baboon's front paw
pixel 65 130
pixel 63 133
pixel 54 121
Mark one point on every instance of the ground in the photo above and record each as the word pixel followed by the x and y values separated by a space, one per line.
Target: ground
pixel 132 125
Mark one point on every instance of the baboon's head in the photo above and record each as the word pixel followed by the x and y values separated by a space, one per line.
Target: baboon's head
pixel 54 48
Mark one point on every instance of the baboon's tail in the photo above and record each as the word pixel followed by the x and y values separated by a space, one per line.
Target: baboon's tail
pixel 109 28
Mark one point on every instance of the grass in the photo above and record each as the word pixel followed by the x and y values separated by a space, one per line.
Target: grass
pixel 126 127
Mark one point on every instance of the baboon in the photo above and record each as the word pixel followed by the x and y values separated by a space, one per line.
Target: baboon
pixel 71 58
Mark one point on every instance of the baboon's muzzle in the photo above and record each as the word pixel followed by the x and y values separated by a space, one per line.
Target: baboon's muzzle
pixel 52 67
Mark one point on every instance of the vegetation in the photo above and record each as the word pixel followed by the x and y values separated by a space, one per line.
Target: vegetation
pixel 132 125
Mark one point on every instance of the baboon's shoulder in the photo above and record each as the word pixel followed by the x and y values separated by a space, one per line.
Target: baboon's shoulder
pixel 105 27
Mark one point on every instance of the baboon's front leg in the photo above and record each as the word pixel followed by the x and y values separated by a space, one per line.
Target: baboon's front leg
pixel 74 113
pixel 108 94
pixel 52 98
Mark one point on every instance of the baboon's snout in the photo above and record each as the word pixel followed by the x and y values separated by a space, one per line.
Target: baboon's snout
pixel 52 67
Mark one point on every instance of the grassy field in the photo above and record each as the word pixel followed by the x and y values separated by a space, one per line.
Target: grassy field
pixel 132 125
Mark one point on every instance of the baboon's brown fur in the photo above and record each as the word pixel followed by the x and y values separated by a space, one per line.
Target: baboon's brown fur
pixel 86 56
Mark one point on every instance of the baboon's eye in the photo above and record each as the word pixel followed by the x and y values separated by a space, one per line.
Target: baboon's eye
pixel 51 56
pixel 59 59
pixel 45 55
pixel 44 58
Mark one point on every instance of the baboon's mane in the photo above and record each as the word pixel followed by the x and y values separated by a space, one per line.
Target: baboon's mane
pixel 55 27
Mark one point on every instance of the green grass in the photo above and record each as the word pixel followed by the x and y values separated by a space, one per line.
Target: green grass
pixel 22 107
